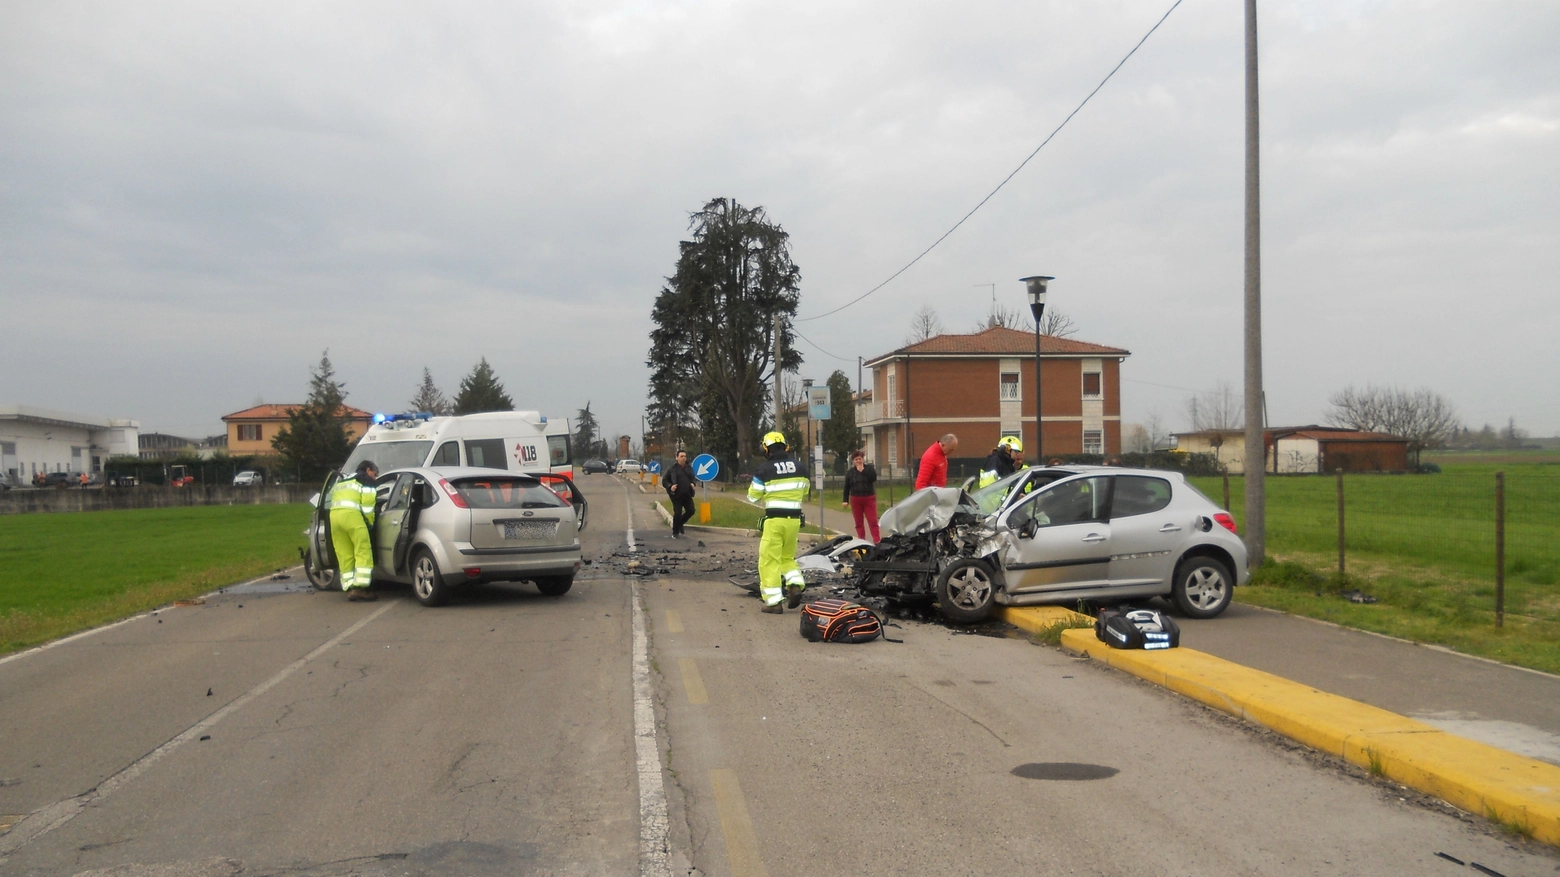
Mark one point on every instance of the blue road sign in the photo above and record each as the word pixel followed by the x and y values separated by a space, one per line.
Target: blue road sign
pixel 705 467
pixel 654 467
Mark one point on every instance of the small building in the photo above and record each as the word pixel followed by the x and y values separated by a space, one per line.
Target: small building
pixel 34 441
pixel 249 432
pixel 981 387
pixel 1227 446
pixel 162 446
pixel 1316 449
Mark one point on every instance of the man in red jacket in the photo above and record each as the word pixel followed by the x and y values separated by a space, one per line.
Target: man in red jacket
pixel 933 471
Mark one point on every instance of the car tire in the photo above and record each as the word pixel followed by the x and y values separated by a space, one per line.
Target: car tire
pixel 427 583
pixel 1203 587
pixel 554 586
pixel 322 579
pixel 967 591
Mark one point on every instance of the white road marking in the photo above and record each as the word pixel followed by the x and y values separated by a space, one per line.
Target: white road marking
pixel 654 852
pixel 41 822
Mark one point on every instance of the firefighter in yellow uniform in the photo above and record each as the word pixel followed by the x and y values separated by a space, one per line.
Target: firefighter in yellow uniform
pixel 1003 461
pixel 351 518
pixel 780 486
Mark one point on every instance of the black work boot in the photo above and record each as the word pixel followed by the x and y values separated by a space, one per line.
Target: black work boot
pixel 773 609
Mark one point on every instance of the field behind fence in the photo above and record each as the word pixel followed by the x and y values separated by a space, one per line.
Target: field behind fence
pixel 1426 547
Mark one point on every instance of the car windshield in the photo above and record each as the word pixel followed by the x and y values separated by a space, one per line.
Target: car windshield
pixel 507 493
pixel 990 497
pixel 388 455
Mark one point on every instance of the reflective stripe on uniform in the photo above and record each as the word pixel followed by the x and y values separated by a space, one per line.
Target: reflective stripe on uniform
pixel 781 504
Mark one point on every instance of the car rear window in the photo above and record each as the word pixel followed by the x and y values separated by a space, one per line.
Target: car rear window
pixel 507 493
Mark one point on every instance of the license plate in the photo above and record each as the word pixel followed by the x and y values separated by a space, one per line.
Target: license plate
pixel 529 529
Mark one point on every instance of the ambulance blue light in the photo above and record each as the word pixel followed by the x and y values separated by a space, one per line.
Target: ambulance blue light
pixel 380 418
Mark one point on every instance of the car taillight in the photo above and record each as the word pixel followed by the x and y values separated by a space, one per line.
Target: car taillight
pixel 454 495
pixel 1226 521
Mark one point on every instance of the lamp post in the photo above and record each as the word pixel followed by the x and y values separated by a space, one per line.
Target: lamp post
pixel 1036 286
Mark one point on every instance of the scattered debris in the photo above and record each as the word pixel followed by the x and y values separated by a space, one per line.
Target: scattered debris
pixel 193 601
pixel 208 692
pixel 1357 597
pixel 203 738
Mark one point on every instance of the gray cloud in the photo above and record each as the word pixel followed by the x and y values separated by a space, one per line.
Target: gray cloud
pixel 203 197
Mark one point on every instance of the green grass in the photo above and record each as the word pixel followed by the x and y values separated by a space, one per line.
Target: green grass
pixel 1424 545
pixel 727 510
pixel 61 573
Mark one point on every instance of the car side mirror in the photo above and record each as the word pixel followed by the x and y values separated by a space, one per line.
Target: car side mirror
pixel 1029 529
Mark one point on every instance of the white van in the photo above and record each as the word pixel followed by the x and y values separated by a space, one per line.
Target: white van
pixel 520 441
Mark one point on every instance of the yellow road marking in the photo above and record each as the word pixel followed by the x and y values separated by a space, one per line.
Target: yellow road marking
pixel 693 683
pixel 673 621
pixel 736 826
pixel 7 821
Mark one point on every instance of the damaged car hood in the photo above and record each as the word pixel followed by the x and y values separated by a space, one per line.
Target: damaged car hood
pixel 926 511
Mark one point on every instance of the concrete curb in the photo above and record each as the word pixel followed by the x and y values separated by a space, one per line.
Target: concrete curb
pixel 1520 793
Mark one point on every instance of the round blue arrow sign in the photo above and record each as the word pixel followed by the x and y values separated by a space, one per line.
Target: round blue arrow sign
pixel 654 466
pixel 705 467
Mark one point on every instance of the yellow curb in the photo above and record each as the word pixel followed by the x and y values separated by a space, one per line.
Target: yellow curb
pixel 1039 619
pixel 1503 786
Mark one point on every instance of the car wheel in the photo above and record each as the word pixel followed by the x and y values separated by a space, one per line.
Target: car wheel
pixel 322 579
pixel 554 586
pixel 1203 587
pixel 967 591
pixel 427 584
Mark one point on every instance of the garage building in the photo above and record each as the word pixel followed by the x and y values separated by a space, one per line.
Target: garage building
pixel 39 440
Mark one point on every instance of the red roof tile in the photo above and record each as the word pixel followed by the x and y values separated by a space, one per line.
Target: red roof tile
pixel 1002 341
pixel 280 412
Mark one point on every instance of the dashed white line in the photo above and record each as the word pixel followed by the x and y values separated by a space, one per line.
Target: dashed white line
pixel 654 855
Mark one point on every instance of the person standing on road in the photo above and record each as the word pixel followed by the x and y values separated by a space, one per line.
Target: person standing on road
pixel 933 471
pixel 780 484
pixel 679 487
pixel 861 493
pixel 1000 463
pixel 351 520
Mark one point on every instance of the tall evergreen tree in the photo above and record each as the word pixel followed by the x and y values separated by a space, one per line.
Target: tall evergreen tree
pixel 429 398
pixel 315 438
pixel 481 391
pixel 713 345
pixel 840 434
pixel 585 430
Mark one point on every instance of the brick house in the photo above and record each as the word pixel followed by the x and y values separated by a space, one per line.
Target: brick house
pixel 249 432
pixel 980 387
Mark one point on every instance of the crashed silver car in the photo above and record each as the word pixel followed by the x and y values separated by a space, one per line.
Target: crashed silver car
pixel 1053 536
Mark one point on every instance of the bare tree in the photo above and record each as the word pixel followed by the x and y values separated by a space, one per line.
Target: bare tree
pixel 1137 440
pixel 1220 408
pixel 1154 425
pixel 925 324
pixel 1424 417
pixel 1056 323
pixel 1001 316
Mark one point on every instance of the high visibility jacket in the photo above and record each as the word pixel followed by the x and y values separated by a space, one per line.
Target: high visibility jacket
pixel 999 465
pixel 780 485
pixel 349 493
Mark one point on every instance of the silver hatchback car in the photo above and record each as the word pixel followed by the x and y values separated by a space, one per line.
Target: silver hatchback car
pixel 439 528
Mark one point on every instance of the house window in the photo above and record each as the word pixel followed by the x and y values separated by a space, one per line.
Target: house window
pixel 1093 441
pixel 1091 385
pixel 1009 387
pixel 249 432
pixel 891 394
pixel 893 449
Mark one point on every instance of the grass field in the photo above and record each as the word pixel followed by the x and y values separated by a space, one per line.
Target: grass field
pixel 1424 545
pixel 727 510
pixel 60 573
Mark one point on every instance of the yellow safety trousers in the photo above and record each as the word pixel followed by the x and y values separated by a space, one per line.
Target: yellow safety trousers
pixel 354 549
pixel 777 559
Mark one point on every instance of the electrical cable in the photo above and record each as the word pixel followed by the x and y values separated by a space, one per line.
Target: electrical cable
pixel 1004 179
pixel 820 349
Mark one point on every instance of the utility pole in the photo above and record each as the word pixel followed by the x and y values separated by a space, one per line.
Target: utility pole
pixel 1256 449
pixel 777 373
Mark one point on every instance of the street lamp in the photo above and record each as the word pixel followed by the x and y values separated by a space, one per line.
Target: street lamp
pixel 1036 286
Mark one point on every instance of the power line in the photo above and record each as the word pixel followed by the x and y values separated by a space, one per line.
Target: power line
pixel 820 349
pixel 1005 180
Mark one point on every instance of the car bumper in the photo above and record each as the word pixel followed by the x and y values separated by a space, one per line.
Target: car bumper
pixel 511 564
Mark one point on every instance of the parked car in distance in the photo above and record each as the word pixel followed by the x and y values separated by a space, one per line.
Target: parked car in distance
pixel 629 467
pixel 62 479
pixel 596 466
pixel 248 478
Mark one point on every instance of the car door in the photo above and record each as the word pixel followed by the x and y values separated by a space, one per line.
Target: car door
pixel 1058 538
pixel 1145 531
pixel 394 503
pixel 565 487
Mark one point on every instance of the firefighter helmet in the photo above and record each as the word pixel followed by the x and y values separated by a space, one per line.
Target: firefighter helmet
pixel 1011 442
pixel 774 438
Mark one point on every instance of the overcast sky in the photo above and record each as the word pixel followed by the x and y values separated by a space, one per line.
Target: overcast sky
pixel 197 199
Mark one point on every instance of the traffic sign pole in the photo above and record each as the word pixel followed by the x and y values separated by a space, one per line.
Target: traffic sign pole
pixel 705 468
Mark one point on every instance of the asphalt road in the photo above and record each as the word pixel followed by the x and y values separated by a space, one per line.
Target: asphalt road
pixel 497 735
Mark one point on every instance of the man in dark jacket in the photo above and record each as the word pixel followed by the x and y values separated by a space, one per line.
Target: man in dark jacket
pixel 679 486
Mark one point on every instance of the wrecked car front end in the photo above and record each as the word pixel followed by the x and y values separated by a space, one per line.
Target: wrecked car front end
pixel 937 546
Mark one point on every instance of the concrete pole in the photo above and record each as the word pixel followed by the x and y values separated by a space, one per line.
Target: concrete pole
pixel 1256 454
pixel 777 372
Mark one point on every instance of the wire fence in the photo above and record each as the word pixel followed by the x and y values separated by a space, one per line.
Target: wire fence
pixel 1486 541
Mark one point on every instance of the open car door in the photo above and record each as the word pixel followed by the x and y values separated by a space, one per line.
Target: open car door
pixel 319 559
pixel 565 487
